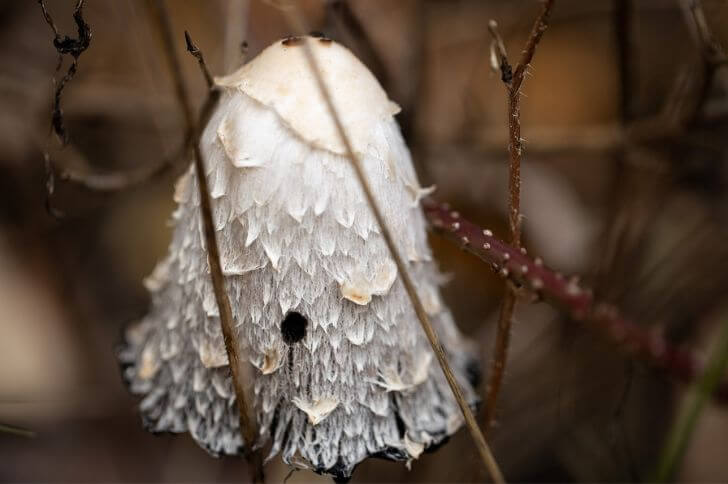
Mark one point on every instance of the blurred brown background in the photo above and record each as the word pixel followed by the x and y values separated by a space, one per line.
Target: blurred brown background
pixel 623 183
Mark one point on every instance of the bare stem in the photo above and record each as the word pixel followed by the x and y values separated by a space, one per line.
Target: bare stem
pixel 513 84
pixel 247 421
pixel 297 23
pixel 500 355
pixel 566 294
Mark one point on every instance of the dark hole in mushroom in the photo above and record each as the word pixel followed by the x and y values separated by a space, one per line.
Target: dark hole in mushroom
pixel 293 327
pixel 401 428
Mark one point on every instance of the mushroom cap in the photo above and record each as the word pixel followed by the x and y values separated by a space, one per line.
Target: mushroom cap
pixel 280 78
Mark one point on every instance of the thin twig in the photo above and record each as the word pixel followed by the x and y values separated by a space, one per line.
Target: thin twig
pixel 500 355
pixel 515 145
pixel 499 61
pixel 513 81
pixel 539 27
pixel 195 51
pixel 247 421
pixel 499 56
pixel 297 23
pixel 98 182
pixel 566 294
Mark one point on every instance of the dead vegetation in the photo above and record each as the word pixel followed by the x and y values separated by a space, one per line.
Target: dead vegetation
pixel 629 143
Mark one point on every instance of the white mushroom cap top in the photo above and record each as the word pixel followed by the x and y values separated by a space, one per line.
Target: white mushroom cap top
pixel 282 69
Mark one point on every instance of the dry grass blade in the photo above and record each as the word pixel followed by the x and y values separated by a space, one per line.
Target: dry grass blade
pixel 296 21
pixel 247 422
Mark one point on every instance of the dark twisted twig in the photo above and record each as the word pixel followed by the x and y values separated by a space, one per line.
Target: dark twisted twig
pixel 248 427
pixel 100 182
pixel 64 45
pixel 513 79
pixel 568 295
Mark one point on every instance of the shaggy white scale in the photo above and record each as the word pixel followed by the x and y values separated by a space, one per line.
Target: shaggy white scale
pixel 343 370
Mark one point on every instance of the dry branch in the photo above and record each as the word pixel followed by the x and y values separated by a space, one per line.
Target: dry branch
pixel 99 182
pixel 296 21
pixel 248 427
pixel 568 295
pixel 64 45
pixel 513 81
